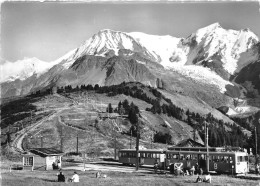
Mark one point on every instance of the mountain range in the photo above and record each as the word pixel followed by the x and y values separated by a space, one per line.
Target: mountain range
pixel 213 66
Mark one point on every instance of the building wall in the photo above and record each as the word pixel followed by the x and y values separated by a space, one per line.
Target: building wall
pixel 50 160
pixel 39 163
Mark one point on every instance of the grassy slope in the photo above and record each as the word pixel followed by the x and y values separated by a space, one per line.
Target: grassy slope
pixel 49 178
pixel 78 119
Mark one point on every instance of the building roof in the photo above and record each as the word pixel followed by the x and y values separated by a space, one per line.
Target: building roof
pixel 46 151
pixel 189 143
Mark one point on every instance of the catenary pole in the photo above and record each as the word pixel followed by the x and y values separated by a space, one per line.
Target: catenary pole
pixel 137 147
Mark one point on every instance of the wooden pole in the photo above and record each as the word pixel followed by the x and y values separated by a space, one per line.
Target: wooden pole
pixel 207 160
pixel 137 147
pixel 256 159
pixel 61 141
pixel 152 141
pixel 77 144
pixel 41 141
pixel 115 148
pixel 194 134
pixel 205 133
pixel 131 140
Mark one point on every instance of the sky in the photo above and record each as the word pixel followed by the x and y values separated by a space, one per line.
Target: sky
pixel 49 30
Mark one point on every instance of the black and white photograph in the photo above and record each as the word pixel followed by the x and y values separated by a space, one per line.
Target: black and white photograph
pixel 130 93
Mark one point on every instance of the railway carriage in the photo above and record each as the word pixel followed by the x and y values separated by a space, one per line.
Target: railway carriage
pixel 222 162
pixel 146 157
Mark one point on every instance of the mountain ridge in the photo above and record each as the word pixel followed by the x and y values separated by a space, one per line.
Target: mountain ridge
pixel 206 59
pixel 167 50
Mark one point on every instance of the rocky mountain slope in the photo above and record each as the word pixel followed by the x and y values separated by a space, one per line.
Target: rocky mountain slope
pixel 209 65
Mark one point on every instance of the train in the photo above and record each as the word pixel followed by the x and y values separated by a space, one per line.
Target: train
pixel 220 161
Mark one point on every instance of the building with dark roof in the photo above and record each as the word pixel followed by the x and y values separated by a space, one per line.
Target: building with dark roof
pixel 42 159
pixel 189 143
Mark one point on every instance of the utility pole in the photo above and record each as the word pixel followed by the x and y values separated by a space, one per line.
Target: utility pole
pixel 137 147
pixel 131 140
pixel 31 116
pixel 41 141
pixel 8 136
pixel 115 148
pixel 256 159
pixel 207 138
pixel 77 144
pixel 194 134
pixel 152 140
pixel 61 140
pixel 205 133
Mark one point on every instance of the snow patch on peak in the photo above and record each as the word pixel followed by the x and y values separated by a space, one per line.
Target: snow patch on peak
pixel 23 69
pixel 163 46
pixel 104 41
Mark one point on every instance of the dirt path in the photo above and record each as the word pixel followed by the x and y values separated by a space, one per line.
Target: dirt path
pixel 105 166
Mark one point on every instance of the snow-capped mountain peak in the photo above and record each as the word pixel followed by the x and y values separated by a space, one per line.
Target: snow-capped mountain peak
pixel 227 45
pixel 23 69
pixel 209 55
pixel 104 41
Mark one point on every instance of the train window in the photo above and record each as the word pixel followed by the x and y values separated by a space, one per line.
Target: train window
pixel 119 154
pixel 242 158
pixel 239 158
pixel 181 156
pixel 169 156
pixel 230 159
pixel 175 156
pixel 226 159
pixel 216 158
pixel 148 155
pixel 210 158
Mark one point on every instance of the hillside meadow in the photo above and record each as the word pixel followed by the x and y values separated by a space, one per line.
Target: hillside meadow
pixel 49 178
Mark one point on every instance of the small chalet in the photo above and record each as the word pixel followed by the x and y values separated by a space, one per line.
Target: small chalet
pixel 42 159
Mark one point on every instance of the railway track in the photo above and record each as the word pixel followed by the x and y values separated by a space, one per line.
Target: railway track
pixel 16 145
